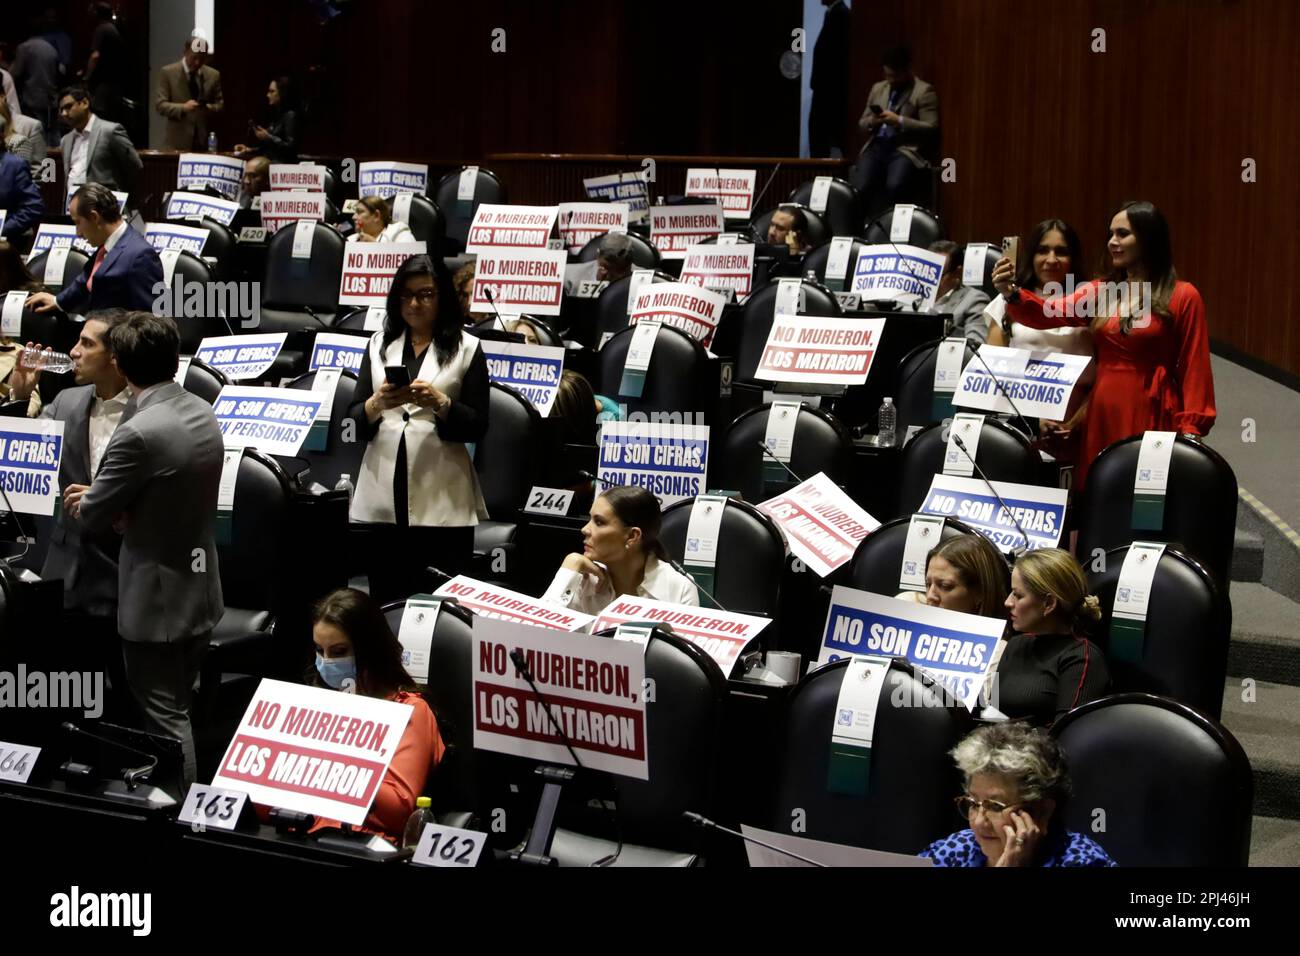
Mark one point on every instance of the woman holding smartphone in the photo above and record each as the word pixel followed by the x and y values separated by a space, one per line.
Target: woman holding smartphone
pixel 418 493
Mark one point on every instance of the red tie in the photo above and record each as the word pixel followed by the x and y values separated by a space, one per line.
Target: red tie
pixel 99 258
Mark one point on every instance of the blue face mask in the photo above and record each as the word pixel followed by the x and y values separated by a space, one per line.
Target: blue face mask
pixel 338 672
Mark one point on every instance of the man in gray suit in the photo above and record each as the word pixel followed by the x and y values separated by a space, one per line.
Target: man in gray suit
pixel 96 150
pixel 188 94
pixel 902 126
pixel 158 485
pixel 965 303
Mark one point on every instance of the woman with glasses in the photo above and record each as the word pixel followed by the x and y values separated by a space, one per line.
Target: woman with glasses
pixel 421 397
pixel 1016 787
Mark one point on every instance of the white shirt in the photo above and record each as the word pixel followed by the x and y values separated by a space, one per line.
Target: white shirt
pixel 393 232
pixel 660 583
pixel 115 236
pixel 80 160
pixel 105 416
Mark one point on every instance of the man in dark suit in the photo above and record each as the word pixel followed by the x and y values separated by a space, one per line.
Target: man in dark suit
pixel 19 196
pixel 829 81
pixel 85 562
pixel 95 150
pixel 902 126
pixel 158 483
pixel 125 273
pixel 188 94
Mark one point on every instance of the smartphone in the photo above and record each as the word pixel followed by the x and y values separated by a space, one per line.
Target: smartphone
pixel 1011 249
pixel 397 376
pixel 875 108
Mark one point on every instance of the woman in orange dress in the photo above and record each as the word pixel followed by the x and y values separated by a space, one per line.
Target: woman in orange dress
pixel 1153 355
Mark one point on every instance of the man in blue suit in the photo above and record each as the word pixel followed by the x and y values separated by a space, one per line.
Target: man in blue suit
pixel 18 194
pixel 125 270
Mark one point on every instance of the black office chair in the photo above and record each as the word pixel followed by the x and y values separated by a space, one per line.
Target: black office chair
pixel 908 802
pixel 991 256
pixel 843 213
pixel 333 188
pixel 220 245
pixel 915 398
pixel 72 268
pixel 203 380
pixel 821 443
pixel 1188 628
pixel 340 456
pixel 1157 783
pixel 926 228
pixel 460 213
pixel 190 271
pixel 507 460
pixel 878 563
pixel 427 223
pixel 1200 511
pixel 760 312
pixel 680 378
pixel 53 329
pixel 817 234
pixel 817 259
pixel 294 288
pixel 644 255
pixel 612 306
pixel 546 334
pixel 1004 454
pixel 352 320
pixel 748 578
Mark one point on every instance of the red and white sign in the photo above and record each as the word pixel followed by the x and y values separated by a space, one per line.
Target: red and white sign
pixel 304 177
pixel 313 750
pixel 733 188
pixel 368 269
pixel 594 689
pixel 720 267
pixel 817 350
pixel 693 310
pixel 521 280
pixel 674 229
pixel 511 227
pixel 489 600
pixel 581 222
pixel 723 635
pixel 279 209
pixel 822 524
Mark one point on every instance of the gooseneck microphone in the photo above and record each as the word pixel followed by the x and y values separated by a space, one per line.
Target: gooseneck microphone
pixel 983 477
pixel 705 823
pixel 768 452
pixel 686 574
pixel 492 301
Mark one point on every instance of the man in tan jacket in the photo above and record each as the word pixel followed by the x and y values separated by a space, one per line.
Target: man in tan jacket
pixel 188 93
pixel 902 126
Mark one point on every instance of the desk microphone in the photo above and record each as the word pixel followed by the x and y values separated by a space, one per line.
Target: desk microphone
pixel 768 452
pixel 22 532
pixel 686 574
pixel 980 471
pixel 1029 432
pixel 131 776
pixel 594 480
pixel 492 301
pixel 705 823
pixel 312 312
pixel 762 192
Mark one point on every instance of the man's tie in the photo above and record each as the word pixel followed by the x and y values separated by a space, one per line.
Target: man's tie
pixel 194 86
pixel 99 260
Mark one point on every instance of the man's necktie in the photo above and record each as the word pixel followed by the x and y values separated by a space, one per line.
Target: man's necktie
pixel 99 260
pixel 194 86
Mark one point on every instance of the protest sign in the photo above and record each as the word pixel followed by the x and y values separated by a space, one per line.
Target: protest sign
pixel 304 177
pixel 272 420
pixel 368 269
pixel 822 524
pixel 723 635
pixel 241 356
pixel 531 370
pixel 593 689
pixel 818 350
pixel 520 280
pixel 29 463
pixel 313 750
pixel 721 267
pixel 899 273
pixel 581 222
pixel 387 179
pixel 225 174
pixel 50 236
pixel 510 227
pixel 666 459
pixel 184 205
pixel 282 208
pixel 674 229
pixel 630 188
pixel 694 310
pixel 338 350
pixel 955 649
pixel 1035 384
pixel 732 188
pixel 494 601
pixel 1038 511
pixel 173 237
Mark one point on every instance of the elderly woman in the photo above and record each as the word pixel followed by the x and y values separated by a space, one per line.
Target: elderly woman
pixel 1016 787
pixel 373 218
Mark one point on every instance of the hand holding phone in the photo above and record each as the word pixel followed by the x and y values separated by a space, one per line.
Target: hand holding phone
pixel 397 376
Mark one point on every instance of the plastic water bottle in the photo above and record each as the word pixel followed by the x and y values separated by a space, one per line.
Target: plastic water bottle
pixel 47 360
pixel 212 142
pixel 345 484
pixel 886 423
pixel 415 822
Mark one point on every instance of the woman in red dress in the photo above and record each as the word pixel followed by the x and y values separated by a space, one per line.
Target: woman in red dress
pixel 1153 355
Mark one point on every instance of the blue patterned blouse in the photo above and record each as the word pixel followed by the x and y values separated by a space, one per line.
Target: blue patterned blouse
pixel 1067 849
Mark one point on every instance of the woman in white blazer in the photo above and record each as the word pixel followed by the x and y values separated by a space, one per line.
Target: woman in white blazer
pixel 418 492
pixel 621 554
pixel 373 218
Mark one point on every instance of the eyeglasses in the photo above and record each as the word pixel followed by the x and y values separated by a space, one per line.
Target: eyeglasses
pixel 423 296
pixel 967 805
